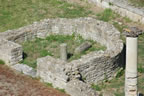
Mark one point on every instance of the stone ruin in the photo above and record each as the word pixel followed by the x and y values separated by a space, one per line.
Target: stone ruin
pixel 76 76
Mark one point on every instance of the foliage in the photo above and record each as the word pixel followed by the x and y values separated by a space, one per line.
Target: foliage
pixel 2 62
pixel 137 3
pixel 120 73
pixel 119 27
pixel 107 15
pixel 140 69
pixel 119 94
pixel 49 84
pixel 141 54
pixel 96 87
pixel 126 19
pixel 62 90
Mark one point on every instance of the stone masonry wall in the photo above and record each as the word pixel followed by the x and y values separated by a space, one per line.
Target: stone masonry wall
pixel 90 68
pixel 88 28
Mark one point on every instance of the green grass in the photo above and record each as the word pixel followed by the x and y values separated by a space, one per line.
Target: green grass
pixel 126 19
pixel 137 3
pixel 97 87
pixel 141 54
pixel 48 84
pixel 50 46
pixel 61 90
pixel 120 73
pixel 107 15
pixel 2 62
pixel 119 94
pixel 18 13
pixel 120 29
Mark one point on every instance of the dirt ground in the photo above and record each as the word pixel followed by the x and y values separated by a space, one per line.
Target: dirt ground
pixel 15 84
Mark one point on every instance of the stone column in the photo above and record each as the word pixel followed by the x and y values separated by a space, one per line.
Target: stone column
pixel 131 61
pixel 131 67
pixel 63 51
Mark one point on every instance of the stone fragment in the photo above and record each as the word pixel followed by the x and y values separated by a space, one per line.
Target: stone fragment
pixel 25 69
pixel 52 70
pixel 79 88
pixel 132 32
pixel 84 46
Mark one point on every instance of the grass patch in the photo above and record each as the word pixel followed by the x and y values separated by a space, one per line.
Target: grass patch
pixel 96 87
pixel 2 62
pixel 50 46
pixel 61 90
pixel 120 73
pixel 141 54
pixel 48 84
pixel 107 15
pixel 127 20
pixel 137 3
pixel 119 94
pixel 120 28
pixel 18 13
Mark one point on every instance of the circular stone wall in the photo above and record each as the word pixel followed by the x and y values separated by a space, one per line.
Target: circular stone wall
pixel 92 67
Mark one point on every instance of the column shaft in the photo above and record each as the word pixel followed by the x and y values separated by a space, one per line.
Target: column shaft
pixel 131 67
pixel 63 51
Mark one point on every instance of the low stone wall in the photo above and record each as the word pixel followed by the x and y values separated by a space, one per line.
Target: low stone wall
pixel 123 8
pixel 88 28
pixel 91 68
pixel 20 35
pixel 96 66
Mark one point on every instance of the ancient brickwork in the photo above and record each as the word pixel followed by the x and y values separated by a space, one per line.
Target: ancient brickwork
pixel 91 68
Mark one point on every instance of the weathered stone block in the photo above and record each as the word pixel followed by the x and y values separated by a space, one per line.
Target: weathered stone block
pixel 53 71
pixel 79 88
pixel 10 52
pixel 25 69
pixel 63 51
pixel 84 46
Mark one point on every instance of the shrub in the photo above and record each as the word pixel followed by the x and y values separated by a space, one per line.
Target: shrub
pixel 2 62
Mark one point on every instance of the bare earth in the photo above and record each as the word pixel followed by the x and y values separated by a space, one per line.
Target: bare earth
pixel 15 84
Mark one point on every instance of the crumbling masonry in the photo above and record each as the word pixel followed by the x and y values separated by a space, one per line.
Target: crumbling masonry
pixel 75 76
